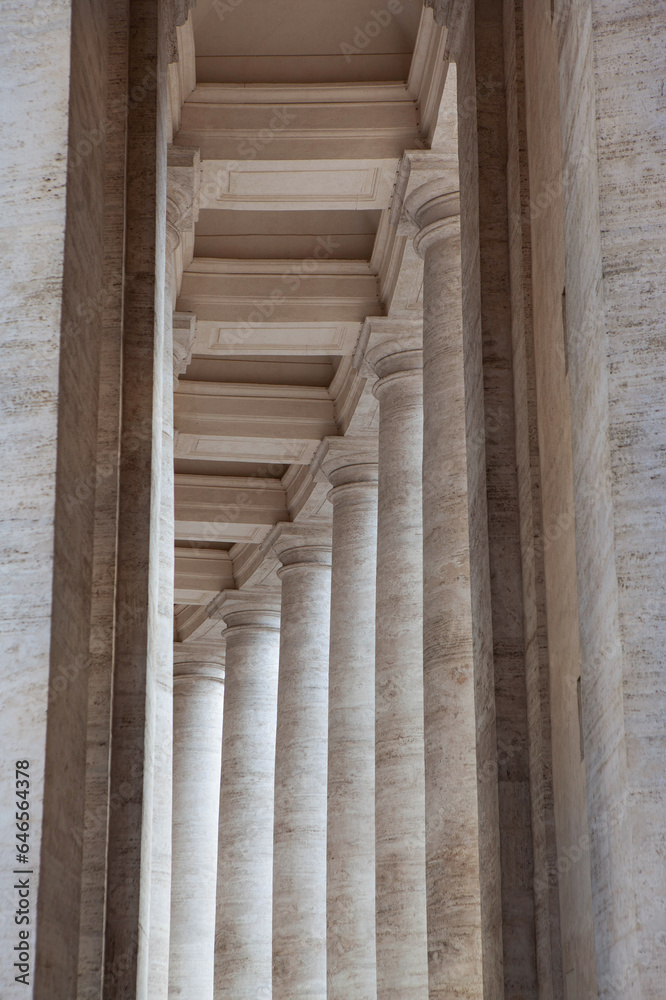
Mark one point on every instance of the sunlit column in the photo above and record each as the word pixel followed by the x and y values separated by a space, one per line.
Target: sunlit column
pixel 299 876
pixel 197 725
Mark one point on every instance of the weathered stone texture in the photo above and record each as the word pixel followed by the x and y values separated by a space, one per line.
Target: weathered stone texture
pixel 243 930
pixel 402 961
pixel 628 47
pixel 537 684
pixel 299 854
pixel 198 697
pixel 557 486
pixel 350 887
pixel 489 848
pixel 35 42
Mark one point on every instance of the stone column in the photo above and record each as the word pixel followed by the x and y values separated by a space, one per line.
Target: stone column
pixel 452 809
pixel 299 878
pixel 402 970
pixel 197 748
pixel 350 910
pixel 243 936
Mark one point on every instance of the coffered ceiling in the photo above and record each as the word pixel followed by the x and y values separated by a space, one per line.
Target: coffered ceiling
pixel 300 111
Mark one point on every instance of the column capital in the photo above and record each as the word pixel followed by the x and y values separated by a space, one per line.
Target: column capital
pixel 198 660
pixel 318 556
pixel 183 183
pixel 426 197
pixel 349 461
pixel 389 348
pixel 182 208
pixel 395 360
pixel 258 608
pixel 295 544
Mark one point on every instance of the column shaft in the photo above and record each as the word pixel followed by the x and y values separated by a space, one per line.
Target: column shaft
pixel 197 724
pixel 400 793
pixel 351 959
pixel 299 881
pixel 245 866
pixel 452 811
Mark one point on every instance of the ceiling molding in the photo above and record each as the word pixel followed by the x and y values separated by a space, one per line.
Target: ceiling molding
pixel 228 339
pixel 200 574
pixel 232 422
pixel 301 93
pixel 250 293
pixel 337 128
pixel 294 185
pixel 227 508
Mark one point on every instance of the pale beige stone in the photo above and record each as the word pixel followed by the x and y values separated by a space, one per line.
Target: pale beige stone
pixel 198 697
pixel 299 853
pixel 243 931
pixel 402 961
pixel 350 888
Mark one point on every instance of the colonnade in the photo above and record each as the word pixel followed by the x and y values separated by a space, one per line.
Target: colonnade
pixel 348 834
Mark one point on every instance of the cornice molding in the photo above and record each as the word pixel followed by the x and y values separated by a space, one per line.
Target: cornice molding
pixel 449 14
pixel 300 93
pixel 428 72
pixel 181 74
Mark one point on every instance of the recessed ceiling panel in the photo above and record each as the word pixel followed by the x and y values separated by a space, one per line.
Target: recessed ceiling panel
pixel 304 41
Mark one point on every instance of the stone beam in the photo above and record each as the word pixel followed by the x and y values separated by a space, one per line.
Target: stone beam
pixel 228 508
pixel 234 422
pixel 311 122
pixel 246 294
pixel 201 574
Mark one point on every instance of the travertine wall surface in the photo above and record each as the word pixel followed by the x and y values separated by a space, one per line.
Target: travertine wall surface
pixel 631 126
pixel 611 71
pixel 33 241
pixel 557 483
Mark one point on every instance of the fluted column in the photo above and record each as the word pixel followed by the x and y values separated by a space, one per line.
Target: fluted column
pixel 197 724
pixel 350 910
pixel 243 949
pixel 299 878
pixel 402 969
pixel 452 804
